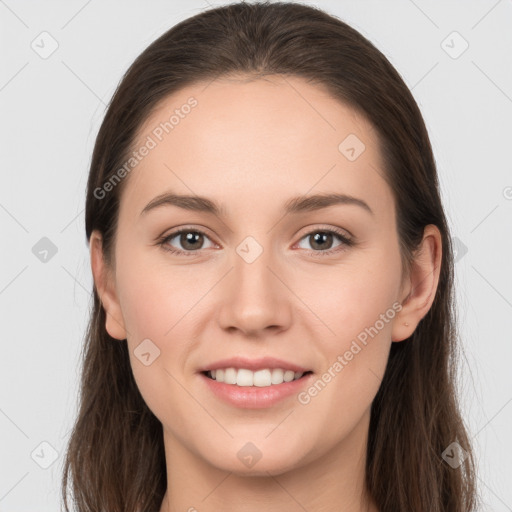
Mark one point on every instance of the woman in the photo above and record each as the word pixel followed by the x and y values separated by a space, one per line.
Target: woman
pixel 273 323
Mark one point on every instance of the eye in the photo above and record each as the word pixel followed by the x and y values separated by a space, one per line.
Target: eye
pixel 190 239
pixel 322 240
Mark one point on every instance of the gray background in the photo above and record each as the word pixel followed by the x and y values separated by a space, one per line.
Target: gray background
pixel 51 109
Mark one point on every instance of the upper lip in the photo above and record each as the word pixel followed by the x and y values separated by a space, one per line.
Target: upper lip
pixel 253 364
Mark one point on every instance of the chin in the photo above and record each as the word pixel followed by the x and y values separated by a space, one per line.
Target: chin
pixel 251 461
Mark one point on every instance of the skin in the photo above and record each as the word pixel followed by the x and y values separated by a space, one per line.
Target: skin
pixel 250 146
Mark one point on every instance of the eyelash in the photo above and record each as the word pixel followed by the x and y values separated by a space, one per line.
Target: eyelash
pixel 346 242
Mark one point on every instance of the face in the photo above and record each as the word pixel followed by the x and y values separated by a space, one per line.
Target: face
pixel 312 285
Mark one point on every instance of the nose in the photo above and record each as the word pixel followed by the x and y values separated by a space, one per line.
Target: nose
pixel 255 299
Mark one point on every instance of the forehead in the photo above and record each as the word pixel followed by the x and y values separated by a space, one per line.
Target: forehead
pixel 252 142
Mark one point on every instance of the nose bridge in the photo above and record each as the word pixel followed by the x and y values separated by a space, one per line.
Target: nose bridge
pixel 252 263
pixel 255 282
pixel 257 299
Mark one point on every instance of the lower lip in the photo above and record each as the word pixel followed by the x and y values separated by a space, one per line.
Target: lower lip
pixel 253 397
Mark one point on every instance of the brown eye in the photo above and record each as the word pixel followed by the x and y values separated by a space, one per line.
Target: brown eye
pixel 321 241
pixel 189 241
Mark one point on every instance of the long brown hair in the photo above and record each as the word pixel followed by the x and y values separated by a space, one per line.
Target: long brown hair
pixel 115 458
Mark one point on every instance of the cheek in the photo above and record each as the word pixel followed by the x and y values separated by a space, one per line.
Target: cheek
pixel 159 302
pixel 155 296
pixel 348 300
pixel 354 357
pixel 155 299
pixel 359 305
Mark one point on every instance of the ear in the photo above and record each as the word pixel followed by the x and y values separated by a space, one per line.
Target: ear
pixel 105 286
pixel 419 291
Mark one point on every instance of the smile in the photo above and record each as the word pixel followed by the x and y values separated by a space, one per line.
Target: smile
pixel 260 378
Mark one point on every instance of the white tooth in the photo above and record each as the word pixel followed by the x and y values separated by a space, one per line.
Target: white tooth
pixel 244 377
pixel 289 375
pixel 230 376
pixel 277 376
pixel 262 378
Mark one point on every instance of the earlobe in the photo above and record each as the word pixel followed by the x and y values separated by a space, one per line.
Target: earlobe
pixel 422 284
pixel 103 281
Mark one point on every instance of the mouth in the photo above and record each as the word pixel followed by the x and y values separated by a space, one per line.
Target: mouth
pixel 265 377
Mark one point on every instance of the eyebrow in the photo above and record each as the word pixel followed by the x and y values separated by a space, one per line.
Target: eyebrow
pixel 294 205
